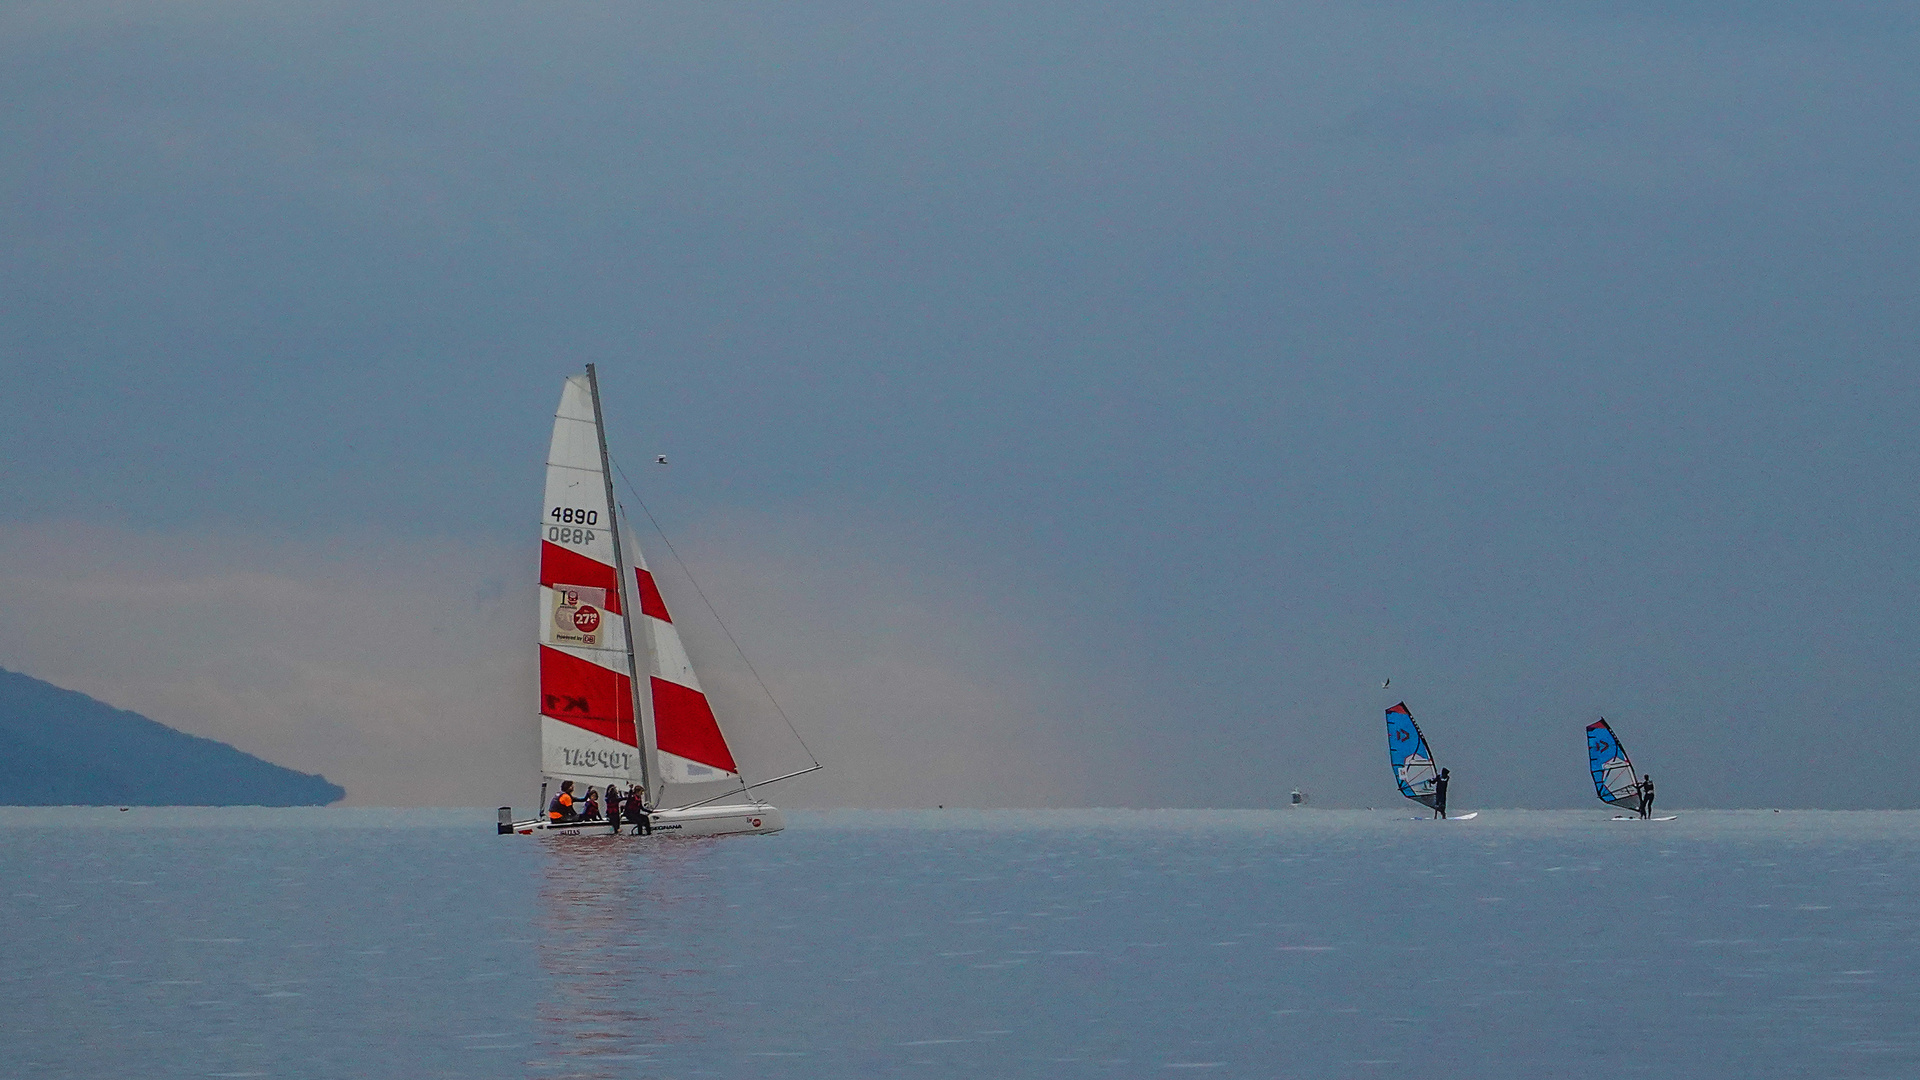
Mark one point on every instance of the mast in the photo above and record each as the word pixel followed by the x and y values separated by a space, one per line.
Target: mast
pixel 620 581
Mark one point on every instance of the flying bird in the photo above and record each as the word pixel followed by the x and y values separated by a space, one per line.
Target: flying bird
pixel 661 460
pixel 1386 684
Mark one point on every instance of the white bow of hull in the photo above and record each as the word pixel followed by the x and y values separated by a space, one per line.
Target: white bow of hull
pixel 691 821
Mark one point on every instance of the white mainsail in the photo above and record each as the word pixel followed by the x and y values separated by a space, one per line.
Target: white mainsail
pixel 589 731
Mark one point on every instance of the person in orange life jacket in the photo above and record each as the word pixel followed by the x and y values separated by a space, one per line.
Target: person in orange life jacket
pixel 638 813
pixel 592 812
pixel 561 808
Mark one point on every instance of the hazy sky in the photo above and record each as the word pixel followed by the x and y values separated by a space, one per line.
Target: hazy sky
pixel 1068 403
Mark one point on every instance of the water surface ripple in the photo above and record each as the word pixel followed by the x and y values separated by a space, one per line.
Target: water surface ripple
pixel 356 943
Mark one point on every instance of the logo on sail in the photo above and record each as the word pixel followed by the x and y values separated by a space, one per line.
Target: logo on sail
pixel 596 760
pixel 577 615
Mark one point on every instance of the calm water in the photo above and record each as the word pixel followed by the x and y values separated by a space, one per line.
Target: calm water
pixel 346 943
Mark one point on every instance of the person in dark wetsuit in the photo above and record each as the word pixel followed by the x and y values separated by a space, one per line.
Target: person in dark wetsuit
pixel 1440 794
pixel 1646 796
pixel 637 812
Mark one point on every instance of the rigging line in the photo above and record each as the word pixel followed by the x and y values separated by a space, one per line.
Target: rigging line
pixel 746 787
pixel 682 563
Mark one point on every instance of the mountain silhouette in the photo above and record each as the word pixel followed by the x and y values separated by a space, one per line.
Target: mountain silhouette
pixel 61 748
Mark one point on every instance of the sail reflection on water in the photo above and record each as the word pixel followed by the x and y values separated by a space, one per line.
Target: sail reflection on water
pixel 620 931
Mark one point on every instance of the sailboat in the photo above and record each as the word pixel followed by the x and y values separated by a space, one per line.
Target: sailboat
pixel 1413 767
pixel 600 723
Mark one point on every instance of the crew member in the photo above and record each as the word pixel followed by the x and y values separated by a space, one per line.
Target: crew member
pixel 1646 796
pixel 638 812
pixel 1440 794
pixel 561 808
pixel 613 807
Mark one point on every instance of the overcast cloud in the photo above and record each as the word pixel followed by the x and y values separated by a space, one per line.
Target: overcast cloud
pixel 1074 403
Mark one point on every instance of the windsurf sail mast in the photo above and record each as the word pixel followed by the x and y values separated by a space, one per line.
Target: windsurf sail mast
pixel 1613 777
pixel 1412 762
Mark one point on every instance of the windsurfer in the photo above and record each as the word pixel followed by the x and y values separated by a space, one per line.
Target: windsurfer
pixel 1646 796
pixel 1440 793
pixel 561 808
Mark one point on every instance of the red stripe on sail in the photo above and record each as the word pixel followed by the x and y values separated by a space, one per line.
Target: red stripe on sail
pixel 564 566
pixel 1400 708
pixel 586 695
pixel 651 603
pixel 684 724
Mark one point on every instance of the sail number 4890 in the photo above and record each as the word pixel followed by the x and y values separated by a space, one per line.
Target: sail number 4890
pixel 569 515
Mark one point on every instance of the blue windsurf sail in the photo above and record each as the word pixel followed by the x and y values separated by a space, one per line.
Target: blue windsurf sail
pixel 1613 777
pixel 1408 754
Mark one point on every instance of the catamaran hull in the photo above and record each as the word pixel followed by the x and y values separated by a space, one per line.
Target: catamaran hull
pixel 692 821
pixel 719 820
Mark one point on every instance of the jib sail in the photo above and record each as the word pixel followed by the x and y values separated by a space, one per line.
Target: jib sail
pixel 1407 752
pixel 1613 777
pixel 690 748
